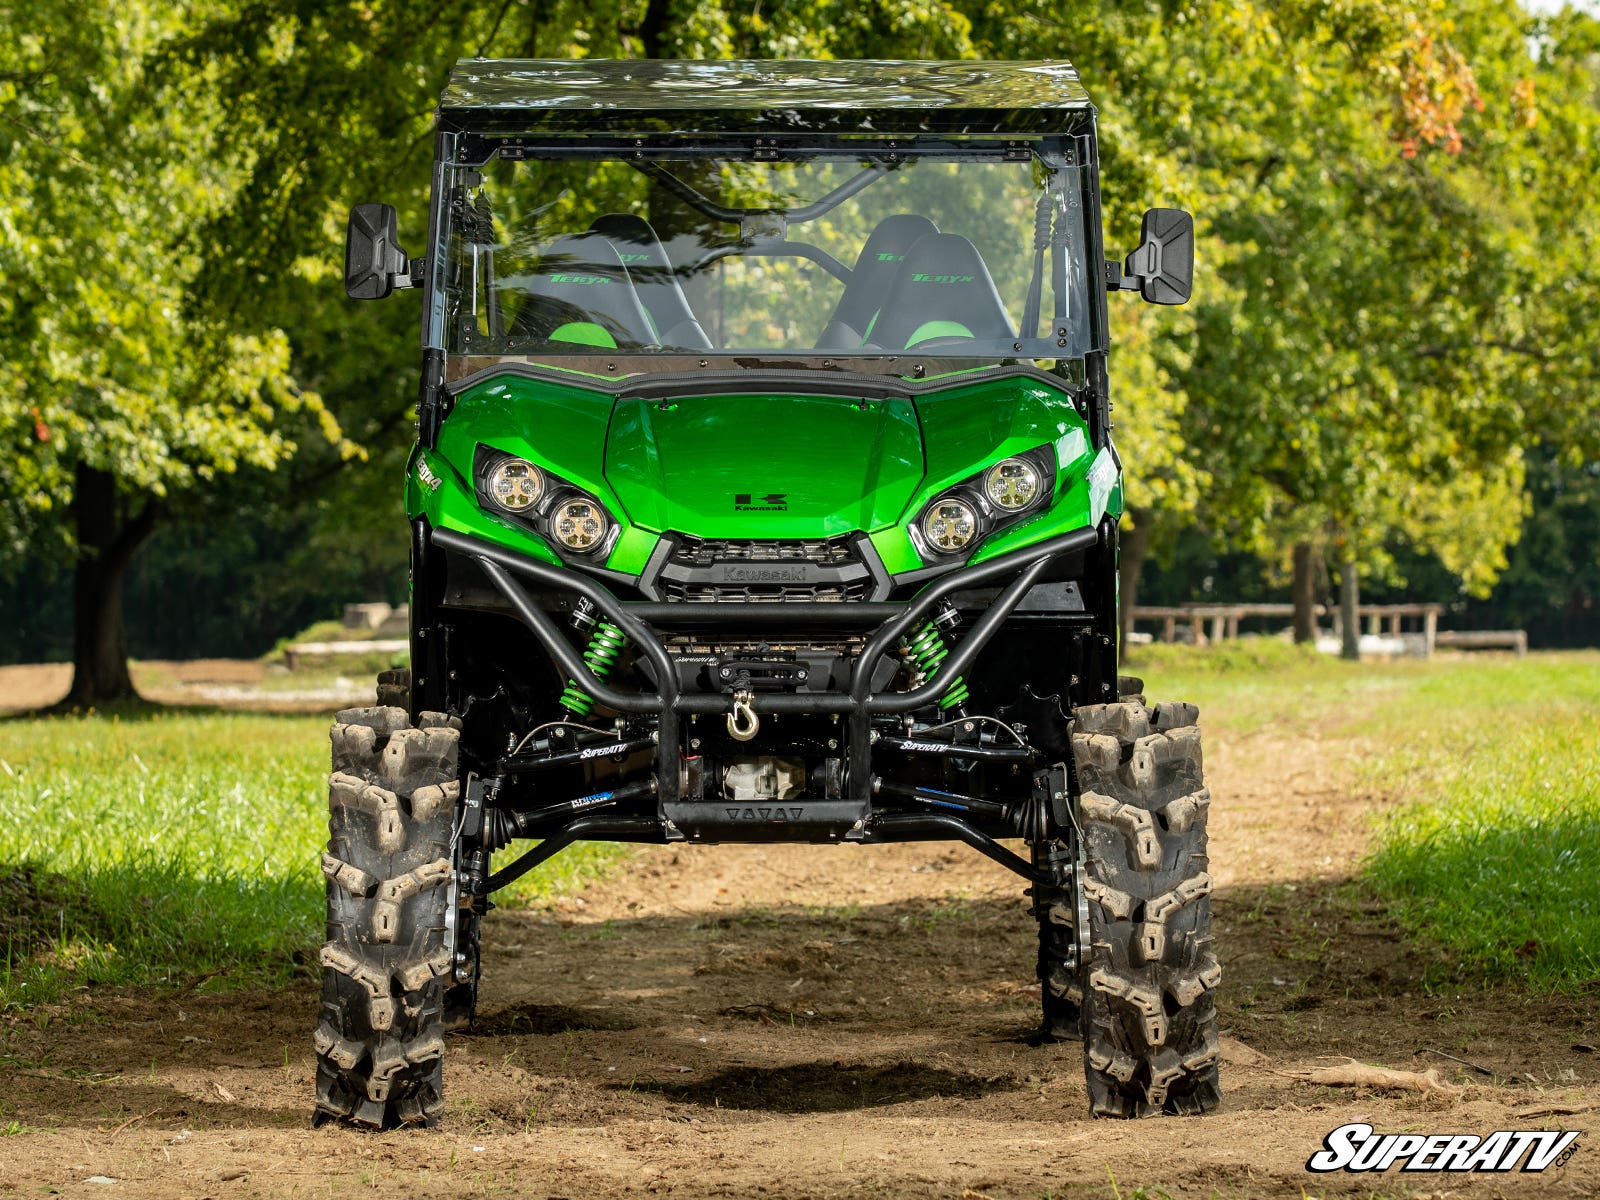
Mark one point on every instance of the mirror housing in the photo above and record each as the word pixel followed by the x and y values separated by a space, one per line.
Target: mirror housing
pixel 374 263
pixel 1162 268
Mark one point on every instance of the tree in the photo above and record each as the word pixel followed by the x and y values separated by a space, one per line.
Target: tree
pixel 122 397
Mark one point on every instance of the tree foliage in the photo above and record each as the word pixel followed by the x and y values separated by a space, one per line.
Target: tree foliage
pixel 1393 298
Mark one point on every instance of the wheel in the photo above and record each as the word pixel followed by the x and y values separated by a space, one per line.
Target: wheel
pixel 461 994
pixel 1060 973
pixel 391 804
pixel 1149 1010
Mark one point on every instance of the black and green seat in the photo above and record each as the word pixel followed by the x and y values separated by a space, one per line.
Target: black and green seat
pixel 942 294
pixel 580 293
pixel 654 279
pixel 870 281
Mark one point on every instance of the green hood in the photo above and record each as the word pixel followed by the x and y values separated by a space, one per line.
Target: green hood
pixel 764 466
pixel 759 465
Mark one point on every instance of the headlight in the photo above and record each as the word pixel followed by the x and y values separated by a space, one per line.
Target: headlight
pixel 580 524
pixel 515 485
pixel 949 525
pixel 1012 484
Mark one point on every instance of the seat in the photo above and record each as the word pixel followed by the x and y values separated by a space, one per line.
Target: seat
pixel 580 293
pixel 875 269
pixel 942 290
pixel 654 280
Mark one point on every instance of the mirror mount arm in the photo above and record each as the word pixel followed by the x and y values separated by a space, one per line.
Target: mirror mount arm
pixel 1120 280
pixel 411 276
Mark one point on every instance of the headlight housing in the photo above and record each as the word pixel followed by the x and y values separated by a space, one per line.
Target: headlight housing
pixel 1012 485
pixel 1002 494
pixel 570 519
pixel 949 525
pixel 580 524
pixel 514 485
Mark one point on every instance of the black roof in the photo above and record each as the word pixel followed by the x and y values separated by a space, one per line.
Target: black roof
pixel 623 96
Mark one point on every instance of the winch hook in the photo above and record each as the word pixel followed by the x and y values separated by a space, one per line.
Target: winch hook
pixel 743 724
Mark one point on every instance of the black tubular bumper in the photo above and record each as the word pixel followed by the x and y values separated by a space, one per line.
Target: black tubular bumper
pixel 640 624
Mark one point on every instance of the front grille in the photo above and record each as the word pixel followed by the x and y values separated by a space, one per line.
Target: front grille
pixel 696 570
pixel 706 593
pixel 824 552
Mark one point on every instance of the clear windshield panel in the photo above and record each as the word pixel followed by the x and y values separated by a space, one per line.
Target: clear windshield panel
pixel 976 258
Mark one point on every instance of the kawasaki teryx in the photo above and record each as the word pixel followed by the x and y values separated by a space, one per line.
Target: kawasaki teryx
pixel 764 491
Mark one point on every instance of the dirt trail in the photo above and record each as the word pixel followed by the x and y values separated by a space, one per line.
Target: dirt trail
pixel 748 1021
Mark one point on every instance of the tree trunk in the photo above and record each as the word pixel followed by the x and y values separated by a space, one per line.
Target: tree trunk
pixel 1304 592
pixel 107 542
pixel 1349 600
pixel 1133 547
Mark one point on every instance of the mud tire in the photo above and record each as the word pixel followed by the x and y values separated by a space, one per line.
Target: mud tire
pixel 1149 1011
pixel 391 807
pixel 460 997
pixel 394 688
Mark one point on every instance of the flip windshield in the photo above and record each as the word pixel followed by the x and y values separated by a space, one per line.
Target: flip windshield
pixel 971 258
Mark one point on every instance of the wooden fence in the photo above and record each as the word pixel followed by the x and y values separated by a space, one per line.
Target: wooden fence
pixel 1223 619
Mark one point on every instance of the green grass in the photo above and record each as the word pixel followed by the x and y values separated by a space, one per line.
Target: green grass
pixel 1253 683
pixel 157 847
pixel 1495 852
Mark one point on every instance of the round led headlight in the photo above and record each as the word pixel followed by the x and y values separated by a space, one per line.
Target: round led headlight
pixel 580 524
pixel 1012 484
pixel 514 485
pixel 949 525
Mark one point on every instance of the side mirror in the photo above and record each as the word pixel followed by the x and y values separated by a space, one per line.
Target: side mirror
pixel 1162 268
pixel 374 263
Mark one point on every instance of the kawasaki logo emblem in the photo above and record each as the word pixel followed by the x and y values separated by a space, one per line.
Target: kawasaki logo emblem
pixel 891 258
pixel 795 574
pixel 634 257
pixel 425 475
pixel 774 502
pixel 584 279
pixel 919 277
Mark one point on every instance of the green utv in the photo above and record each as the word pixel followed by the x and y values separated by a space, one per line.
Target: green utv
pixel 764 491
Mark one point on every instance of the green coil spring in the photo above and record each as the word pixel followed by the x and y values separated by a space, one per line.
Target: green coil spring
pixel 605 644
pixel 927 650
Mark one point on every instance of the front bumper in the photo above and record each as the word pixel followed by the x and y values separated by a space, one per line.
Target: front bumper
pixel 644 623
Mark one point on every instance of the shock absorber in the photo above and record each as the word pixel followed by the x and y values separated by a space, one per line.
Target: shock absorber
pixel 926 649
pixel 605 645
